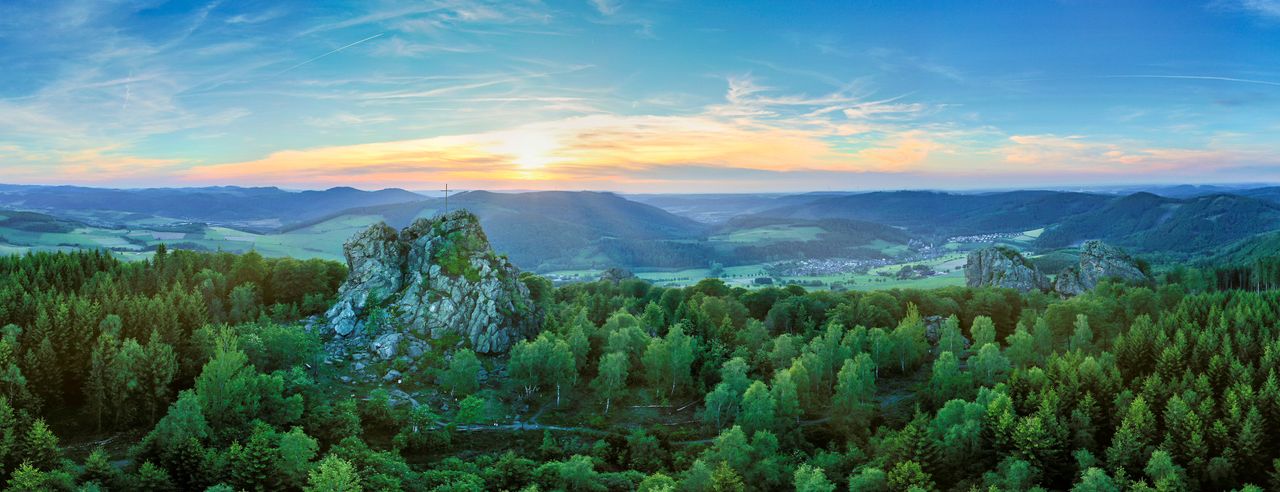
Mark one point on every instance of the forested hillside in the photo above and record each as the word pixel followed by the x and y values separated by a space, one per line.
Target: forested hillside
pixel 1153 223
pixel 191 371
pixel 930 212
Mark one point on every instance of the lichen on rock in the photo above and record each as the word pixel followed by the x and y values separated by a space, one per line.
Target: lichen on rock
pixel 437 276
pixel 1099 261
pixel 1004 267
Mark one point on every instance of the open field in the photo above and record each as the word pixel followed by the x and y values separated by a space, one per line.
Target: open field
pixel 950 269
pixel 767 234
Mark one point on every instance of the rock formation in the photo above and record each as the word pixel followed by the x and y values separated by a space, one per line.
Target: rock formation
pixel 1004 267
pixel 616 275
pixel 435 278
pixel 1098 261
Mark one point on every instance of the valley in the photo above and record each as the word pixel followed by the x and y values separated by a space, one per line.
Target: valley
pixel 823 241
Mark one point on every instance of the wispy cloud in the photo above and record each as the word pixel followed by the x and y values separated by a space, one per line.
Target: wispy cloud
pixel 1077 154
pixel 1196 77
pixel 757 128
pixel 605 7
pixel 1268 9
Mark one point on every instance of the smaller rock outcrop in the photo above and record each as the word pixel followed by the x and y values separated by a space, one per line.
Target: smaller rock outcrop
pixel 1004 267
pixel 615 275
pixel 1099 261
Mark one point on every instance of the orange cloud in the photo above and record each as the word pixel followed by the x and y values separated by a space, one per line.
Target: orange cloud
pixel 905 154
pixel 1051 153
pixel 566 151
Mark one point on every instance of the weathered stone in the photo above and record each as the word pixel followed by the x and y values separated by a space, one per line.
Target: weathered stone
pixel 386 345
pixel 616 274
pixel 1004 267
pixel 436 277
pixel 391 376
pixel 1099 261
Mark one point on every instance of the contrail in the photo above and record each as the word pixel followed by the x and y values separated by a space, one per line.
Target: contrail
pixel 1193 77
pixel 282 72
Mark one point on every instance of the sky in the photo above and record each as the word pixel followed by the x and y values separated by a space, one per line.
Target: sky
pixel 654 96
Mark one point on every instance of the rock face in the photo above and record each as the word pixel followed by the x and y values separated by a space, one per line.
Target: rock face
pixel 1098 261
pixel 1003 267
pixel 436 277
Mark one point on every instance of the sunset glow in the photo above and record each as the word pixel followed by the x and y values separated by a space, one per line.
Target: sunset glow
pixel 636 96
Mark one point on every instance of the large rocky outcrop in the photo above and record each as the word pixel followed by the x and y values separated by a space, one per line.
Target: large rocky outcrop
pixel 1099 261
pixel 434 278
pixel 1004 267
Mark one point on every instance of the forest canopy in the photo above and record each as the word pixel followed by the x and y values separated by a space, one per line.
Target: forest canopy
pixel 205 371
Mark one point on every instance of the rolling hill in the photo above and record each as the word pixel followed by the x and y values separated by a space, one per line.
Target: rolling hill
pixel 1149 222
pixel 554 229
pixel 940 214
pixel 718 208
pixel 754 239
pixel 256 207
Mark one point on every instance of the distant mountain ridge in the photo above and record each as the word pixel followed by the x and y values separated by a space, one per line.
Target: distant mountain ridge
pixel 221 204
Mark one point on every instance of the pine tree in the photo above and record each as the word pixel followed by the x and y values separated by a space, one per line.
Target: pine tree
pixel 40 447
pixel 45 371
pixel 1082 337
pixel 98 469
pixel 100 400
pixel 161 365
pixel 1132 442
pixel 152 478
pixel 253 464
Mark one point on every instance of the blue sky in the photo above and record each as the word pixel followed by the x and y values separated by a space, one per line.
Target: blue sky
pixel 640 96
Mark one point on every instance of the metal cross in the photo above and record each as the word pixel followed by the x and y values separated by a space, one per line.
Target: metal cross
pixel 446 198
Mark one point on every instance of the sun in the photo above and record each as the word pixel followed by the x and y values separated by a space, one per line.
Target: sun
pixel 528 149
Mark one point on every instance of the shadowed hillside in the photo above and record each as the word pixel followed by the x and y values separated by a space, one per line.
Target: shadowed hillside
pixel 930 212
pixel 1153 223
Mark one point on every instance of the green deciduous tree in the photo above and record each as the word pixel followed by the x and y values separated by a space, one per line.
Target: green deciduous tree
pixel 810 479
pixel 950 339
pixel 333 474
pixel 611 379
pixel 462 377
pixel 947 381
pixel 758 409
pixel 989 366
pixel 983 331
pixel 855 387
pixel 909 345
pixel 545 362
